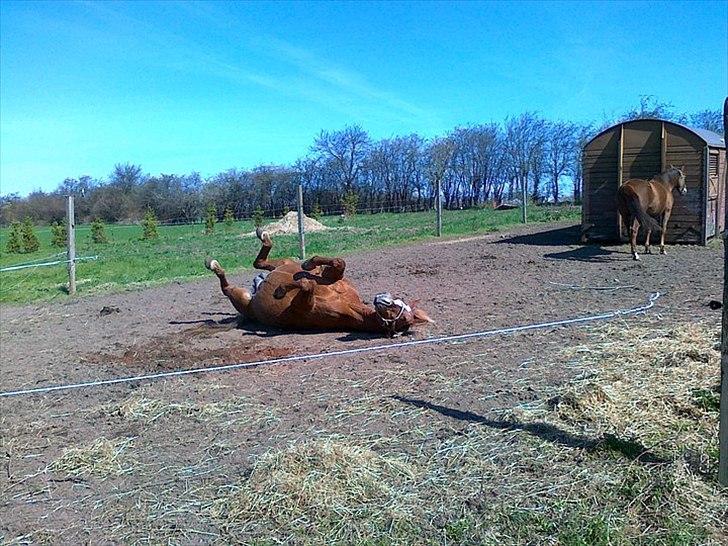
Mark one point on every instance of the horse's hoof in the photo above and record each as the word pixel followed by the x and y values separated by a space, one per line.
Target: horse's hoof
pixel 663 251
pixel 212 265
pixel 307 265
pixel 648 250
pixel 635 257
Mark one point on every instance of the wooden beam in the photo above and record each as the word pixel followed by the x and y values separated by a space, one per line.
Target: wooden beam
pixel 71 233
pixel 663 149
pixel 723 434
pixel 620 166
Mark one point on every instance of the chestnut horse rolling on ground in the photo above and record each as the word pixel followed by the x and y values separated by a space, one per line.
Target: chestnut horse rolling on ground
pixel 638 200
pixel 314 295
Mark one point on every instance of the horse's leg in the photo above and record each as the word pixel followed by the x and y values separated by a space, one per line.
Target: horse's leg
pixel 239 297
pixel 634 228
pixel 648 250
pixel 306 292
pixel 261 260
pixel 665 218
pixel 333 271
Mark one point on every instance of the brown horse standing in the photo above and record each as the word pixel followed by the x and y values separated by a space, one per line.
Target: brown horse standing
pixel 638 200
pixel 314 295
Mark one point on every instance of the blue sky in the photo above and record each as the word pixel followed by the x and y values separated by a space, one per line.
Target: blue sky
pixel 193 86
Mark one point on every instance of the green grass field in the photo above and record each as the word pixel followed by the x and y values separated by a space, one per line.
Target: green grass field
pixel 127 262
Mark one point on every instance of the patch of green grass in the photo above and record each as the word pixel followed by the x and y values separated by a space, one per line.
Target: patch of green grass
pixel 706 399
pixel 126 261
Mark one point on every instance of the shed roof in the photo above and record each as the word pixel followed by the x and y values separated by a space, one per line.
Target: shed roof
pixel 714 140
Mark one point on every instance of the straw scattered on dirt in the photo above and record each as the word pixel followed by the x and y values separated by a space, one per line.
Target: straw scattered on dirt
pixel 102 459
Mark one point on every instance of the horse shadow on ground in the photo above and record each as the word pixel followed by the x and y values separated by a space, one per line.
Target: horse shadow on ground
pixel 628 448
pixel 565 236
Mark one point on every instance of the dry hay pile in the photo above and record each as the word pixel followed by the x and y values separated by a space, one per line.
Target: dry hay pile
pixel 320 488
pixel 289 225
pixel 102 459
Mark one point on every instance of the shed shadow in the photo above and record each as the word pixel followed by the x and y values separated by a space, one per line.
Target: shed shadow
pixel 629 449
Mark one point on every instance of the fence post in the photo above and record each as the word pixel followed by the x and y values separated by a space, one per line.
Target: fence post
pixel 438 207
pixel 71 230
pixel 524 196
pixel 723 425
pixel 301 235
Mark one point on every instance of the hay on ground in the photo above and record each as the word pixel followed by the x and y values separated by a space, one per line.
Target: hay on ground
pixel 289 225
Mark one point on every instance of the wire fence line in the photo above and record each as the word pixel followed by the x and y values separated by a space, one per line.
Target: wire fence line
pixel 45 264
pixel 653 297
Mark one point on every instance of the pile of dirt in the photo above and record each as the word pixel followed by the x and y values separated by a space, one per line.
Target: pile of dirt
pixel 289 224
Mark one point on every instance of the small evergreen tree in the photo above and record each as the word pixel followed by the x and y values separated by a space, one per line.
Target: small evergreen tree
pixel 286 210
pixel 98 232
pixel 149 225
pixel 316 211
pixel 59 236
pixel 349 202
pixel 30 239
pixel 210 219
pixel 229 218
pixel 258 217
pixel 15 239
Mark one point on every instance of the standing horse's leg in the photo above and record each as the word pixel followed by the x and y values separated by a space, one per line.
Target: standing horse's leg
pixel 239 297
pixel 648 250
pixel 633 229
pixel 665 218
pixel 261 260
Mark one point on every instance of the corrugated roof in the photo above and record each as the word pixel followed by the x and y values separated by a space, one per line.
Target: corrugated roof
pixel 714 140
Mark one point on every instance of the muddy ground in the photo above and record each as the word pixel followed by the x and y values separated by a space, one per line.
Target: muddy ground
pixel 466 285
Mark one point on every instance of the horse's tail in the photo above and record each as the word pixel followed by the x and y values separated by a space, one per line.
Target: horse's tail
pixel 632 201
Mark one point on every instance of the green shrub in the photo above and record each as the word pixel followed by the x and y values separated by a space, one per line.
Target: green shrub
pixel 149 225
pixel 349 203
pixel 59 235
pixel 258 217
pixel 30 239
pixel 15 239
pixel 210 219
pixel 98 232
pixel 229 218
pixel 316 212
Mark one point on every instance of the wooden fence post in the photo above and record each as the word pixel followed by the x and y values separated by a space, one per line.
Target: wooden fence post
pixel 71 230
pixel 723 433
pixel 438 207
pixel 301 235
pixel 524 192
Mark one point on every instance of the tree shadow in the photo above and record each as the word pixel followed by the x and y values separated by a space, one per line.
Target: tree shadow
pixel 627 448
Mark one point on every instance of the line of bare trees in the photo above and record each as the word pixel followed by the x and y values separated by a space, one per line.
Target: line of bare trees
pixel 475 164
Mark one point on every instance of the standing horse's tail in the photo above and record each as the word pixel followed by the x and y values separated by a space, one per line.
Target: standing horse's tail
pixel 631 201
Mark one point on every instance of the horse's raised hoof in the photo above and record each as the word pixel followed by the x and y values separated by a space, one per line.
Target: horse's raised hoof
pixel 263 236
pixel 307 265
pixel 212 265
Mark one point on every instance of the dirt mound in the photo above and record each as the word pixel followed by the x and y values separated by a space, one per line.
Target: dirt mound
pixel 289 224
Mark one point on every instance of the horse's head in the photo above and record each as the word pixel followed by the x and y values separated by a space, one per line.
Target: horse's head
pixel 396 316
pixel 677 177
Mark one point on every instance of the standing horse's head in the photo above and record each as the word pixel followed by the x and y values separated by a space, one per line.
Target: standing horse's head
pixel 677 178
pixel 396 316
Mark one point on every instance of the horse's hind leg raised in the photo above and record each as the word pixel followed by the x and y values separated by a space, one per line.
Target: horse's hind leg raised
pixel 261 260
pixel 334 270
pixel 239 297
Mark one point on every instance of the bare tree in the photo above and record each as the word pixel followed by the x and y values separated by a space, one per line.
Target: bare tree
pixel 560 148
pixel 347 149
pixel 439 160
pixel 524 139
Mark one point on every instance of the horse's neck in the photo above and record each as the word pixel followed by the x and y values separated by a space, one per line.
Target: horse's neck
pixel 370 321
pixel 666 181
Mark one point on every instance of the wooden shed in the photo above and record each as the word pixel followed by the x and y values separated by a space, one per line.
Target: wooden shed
pixel 645 147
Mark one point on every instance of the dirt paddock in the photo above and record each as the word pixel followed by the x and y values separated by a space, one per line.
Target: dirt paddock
pixel 227 421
